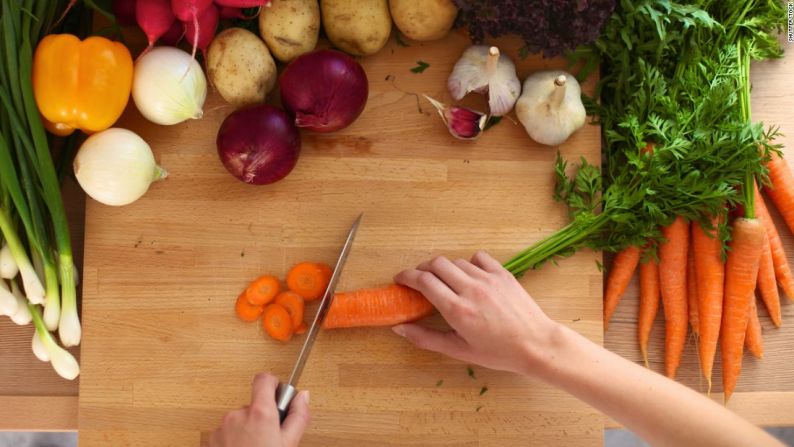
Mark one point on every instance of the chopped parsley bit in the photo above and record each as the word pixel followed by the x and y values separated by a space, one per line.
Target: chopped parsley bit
pixel 420 67
pixel 492 121
pixel 471 373
pixel 398 37
pixel 440 382
pixel 483 390
pixel 479 407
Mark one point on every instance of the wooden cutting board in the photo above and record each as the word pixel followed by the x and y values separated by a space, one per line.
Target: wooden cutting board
pixel 164 357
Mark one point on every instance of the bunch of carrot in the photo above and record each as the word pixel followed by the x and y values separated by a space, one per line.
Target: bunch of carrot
pixel 701 290
pixel 282 311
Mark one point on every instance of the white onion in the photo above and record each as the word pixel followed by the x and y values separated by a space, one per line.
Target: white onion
pixel 116 167
pixel 168 86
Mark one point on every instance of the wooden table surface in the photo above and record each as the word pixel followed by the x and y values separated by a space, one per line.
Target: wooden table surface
pixel 32 397
pixel 163 356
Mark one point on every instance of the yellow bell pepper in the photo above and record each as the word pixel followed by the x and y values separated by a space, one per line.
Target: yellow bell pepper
pixel 81 85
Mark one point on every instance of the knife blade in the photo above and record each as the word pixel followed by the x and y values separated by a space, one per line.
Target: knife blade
pixel 286 392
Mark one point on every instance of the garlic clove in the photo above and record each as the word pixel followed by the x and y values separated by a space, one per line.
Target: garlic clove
pixel 462 123
pixel 482 69
pixel 550 106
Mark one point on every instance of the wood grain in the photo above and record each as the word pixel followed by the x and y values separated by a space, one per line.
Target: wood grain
pixel 772 99
pixel 163 355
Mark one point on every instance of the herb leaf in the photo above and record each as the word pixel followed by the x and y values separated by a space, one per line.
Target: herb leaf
pixel 471 373
pixel 440 382
pixel 483 390
pixel 420 67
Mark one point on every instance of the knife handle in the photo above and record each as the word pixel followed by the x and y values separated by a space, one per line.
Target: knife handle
pixel 284 395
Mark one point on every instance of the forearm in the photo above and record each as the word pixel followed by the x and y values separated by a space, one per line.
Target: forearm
pixel 659 410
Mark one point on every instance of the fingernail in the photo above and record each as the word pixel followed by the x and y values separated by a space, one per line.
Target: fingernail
pixel 306 396
pixel 399 330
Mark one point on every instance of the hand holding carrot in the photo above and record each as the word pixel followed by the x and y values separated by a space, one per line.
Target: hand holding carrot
pixel 495 323
pixel 257 424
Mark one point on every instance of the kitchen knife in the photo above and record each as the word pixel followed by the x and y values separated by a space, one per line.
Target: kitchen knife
pixel 286 392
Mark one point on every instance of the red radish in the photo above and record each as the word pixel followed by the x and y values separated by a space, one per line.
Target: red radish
pixel 228 12
pixel 189 10
pixel 242 3
pixel 124 11
pixel 174 34
pixel 201 32
pixel 154 18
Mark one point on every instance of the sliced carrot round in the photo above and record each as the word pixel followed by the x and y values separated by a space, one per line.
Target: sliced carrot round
pixel 309 279
pixel 294 304
pixel 247 311
pixel 277 322
pixel 301 329
pixel 262 290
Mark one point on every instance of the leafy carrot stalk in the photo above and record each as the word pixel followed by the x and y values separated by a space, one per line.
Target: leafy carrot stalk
pixel 753 338
pixel 294 304
pixel 619 276
pixel 692 290
pixel 741 272
pixel 262 290
pixel 309 279
pixel 649 304
pixel 782 189
pixel 766 283
pixel 672 283
pixel 246 311
pixel 779 260
pixel 710 271
pixel 277 322
pixel 383 306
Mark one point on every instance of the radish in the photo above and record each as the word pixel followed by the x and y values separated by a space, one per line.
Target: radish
pixel 174 34
pixel 242 3
pixel 228 12
pixel 200 32
pixel 154 18
pixel 189 10
pixel 124 11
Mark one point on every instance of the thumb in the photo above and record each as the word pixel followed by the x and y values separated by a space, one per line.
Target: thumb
pixel 447 343
pixel 297 419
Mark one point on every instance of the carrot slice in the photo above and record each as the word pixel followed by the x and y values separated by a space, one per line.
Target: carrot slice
pixel 383 306
pixel 277 322
pixel 262 290
pixel 301 329
pixel 309 279
pixel 294 304
pixel 245 310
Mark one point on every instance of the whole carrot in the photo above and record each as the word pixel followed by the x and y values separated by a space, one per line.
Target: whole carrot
pixel 383 306
pixel 782 189
pixel 692 291
pixel 710 271
pixel 766 283
pixel 672 282
pixel 619 276
pixel 779 260
pixel 649 304
pixel 741 272
pixel 753 338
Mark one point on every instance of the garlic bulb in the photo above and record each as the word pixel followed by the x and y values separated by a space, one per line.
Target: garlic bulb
pixel 168 86
pixel 462 123
pixel 116 167
pixel 483 70
pixel 550 107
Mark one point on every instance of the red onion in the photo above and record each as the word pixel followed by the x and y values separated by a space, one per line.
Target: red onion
pixel 258 144
pixel 326 90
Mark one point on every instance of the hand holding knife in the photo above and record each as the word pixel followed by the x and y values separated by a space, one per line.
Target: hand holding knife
pixel 287 391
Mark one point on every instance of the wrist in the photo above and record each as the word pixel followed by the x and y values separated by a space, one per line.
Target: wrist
pixel 545 352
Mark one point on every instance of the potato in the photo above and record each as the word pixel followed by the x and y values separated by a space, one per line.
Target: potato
pixel 290 27
pixel 240 66
pixel 423 19
pixel 358 27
